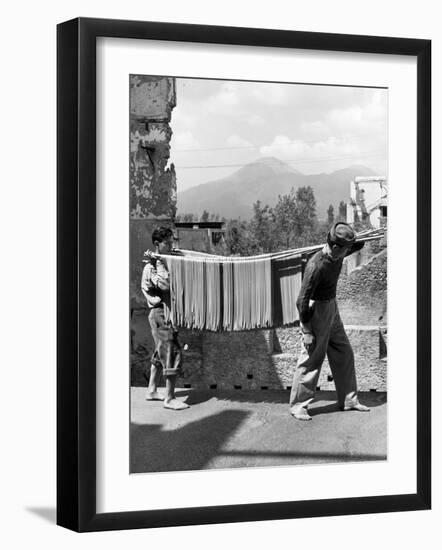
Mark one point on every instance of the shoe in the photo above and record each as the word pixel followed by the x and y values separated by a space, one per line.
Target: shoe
pixel 300 413
pixel 153 396
pixel 356 407
pixel 175 405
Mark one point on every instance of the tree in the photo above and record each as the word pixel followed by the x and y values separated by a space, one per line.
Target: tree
pixel 188 217
pixel 342 215
pixel 295 218
pixel 262 227
pixel 238 238
pixel 320 233
pixel 292 223
pixel 205 216
pixel 330 215
pixel 305 209
pixel 286 220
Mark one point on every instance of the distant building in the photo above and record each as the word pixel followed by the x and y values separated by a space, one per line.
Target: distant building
pixel 207 237
pixel 368 201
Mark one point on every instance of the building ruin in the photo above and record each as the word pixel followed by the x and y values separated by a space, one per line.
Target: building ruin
pixel 152 181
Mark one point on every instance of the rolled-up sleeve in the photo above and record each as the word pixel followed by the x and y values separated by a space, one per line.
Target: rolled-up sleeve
pixel 145 278
pixel 161 277
pixel 309 283
pixel 146 284
pixel 155 277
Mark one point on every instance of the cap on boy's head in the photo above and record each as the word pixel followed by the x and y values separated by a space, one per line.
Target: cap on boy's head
pixel 160 234
pixel 341 234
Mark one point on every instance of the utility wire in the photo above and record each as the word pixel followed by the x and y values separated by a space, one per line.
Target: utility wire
pixel 279 146
pixel 297 161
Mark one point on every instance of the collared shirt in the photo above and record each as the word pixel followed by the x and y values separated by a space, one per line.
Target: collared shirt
pixel 320 280
pixel 155 283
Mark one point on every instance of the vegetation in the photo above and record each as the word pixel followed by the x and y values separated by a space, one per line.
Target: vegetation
pixel 291 223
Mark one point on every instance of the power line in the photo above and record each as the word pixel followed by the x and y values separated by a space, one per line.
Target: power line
pixel 297 161
pixel 279 146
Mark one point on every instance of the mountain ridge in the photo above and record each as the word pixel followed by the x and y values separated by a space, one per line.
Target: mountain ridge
pixel 264 179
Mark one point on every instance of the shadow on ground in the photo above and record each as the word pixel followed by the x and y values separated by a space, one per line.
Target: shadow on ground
pixel 195 397
pixel 242 429
pixel 190 447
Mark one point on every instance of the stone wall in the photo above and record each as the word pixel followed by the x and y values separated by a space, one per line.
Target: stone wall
pixel 257 359
pixel 362 292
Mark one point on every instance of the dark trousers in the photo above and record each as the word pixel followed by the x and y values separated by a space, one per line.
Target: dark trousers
pixel 330 339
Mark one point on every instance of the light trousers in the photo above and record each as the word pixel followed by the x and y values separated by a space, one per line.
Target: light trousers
pixel 167 354
pixel 330 339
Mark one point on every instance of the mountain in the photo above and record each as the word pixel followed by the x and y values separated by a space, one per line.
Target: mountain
pixel 264 180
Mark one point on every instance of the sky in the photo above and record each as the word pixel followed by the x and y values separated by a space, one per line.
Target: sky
pixel 219 126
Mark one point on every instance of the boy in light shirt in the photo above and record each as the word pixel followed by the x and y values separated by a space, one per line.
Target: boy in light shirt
pixel 167 356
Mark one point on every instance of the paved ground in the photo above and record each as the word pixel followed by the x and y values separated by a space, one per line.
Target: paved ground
pixel 238 429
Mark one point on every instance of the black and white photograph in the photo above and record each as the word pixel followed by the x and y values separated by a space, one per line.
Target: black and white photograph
pixel 258 273
pixel 218 275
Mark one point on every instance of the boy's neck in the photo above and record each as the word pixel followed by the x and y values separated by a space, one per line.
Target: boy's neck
pixel 327 250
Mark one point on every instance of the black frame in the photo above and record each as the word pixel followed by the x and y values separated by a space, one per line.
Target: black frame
pixel 76 272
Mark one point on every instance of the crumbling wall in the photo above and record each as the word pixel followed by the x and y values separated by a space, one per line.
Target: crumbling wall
pixel 152 185
pixel 152 181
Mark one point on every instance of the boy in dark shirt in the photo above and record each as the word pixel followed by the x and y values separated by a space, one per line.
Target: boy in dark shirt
pixel 167 355
pixel 323 331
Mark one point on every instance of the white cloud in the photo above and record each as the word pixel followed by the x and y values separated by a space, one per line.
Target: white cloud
pixel 182 118
pixel 255 120
pixel 184 140
pixel 226 99
pixel 315 129
pixel 363 119
pixel 270 94
pixel 294 122
pixel 352 121
pixel 237 141
pixel 296 150
pixel 229 94
pixel 245 100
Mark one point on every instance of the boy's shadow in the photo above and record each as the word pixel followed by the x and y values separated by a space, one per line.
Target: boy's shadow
pixel 192 397
pixel 370 399
pixel 324 409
